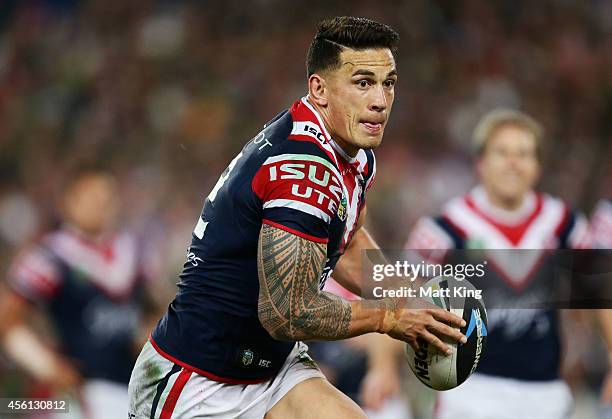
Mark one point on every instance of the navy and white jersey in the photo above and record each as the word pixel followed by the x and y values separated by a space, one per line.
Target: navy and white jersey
pixel 601 225
pixel 292 176
pixel 91 293
pixel 522 343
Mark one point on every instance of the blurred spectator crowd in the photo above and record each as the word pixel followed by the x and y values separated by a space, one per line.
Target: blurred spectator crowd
pixel 165 93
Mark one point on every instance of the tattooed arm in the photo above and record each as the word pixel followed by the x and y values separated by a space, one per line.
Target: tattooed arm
pixel 291 306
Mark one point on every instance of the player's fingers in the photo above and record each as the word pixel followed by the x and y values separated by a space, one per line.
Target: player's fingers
pixel 441 329
pixel 414 344
pixel 435 341
pixel 447 317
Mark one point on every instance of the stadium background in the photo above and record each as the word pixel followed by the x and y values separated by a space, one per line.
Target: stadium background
pixel 165 93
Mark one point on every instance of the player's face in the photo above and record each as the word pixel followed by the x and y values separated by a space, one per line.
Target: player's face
pixel 360 97
pixel 91 203
pixel 509 166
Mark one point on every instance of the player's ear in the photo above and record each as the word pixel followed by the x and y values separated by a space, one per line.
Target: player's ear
pixel 317 89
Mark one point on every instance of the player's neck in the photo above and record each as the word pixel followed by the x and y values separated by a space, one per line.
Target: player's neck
pixel 348 149
pixel 349 152
pixel 90 235
pixel 504 203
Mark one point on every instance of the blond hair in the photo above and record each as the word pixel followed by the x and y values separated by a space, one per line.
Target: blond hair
pixel 497 118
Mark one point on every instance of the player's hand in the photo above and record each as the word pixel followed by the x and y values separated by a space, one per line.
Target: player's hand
pixel 379 384
pixel 431 325
pixel 606 389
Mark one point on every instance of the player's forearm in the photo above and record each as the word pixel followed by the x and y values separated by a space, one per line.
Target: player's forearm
pixel 23 346
pixel 291 306
pixel 337 318
pixel 26 350
pixel 18 341
pixel 329 317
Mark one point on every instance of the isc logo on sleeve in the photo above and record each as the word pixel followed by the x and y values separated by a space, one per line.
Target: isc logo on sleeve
pixel 309 130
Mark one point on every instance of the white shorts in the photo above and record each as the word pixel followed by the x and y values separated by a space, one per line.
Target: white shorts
pixel 488 397
pixel 189 395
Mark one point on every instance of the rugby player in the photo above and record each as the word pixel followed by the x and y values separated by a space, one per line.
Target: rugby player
pixel 518 377
pixel 86 279
pixel 272 230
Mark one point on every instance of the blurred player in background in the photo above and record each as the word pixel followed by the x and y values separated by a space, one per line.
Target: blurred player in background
pixel 519 375
pixel 87 280
pixel 273 228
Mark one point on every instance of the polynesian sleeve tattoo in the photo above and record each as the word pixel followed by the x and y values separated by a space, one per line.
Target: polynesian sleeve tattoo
pixel 291 306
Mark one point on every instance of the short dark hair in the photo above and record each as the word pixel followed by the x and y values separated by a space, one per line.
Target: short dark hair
pixel 342 32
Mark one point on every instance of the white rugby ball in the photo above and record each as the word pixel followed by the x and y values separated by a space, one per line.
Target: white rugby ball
pixel 435 369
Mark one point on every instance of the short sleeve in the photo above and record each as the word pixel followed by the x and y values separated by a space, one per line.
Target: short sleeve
pixel 300 193
pixel 34 275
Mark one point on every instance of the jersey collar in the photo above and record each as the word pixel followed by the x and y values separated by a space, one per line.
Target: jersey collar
pixel 508 217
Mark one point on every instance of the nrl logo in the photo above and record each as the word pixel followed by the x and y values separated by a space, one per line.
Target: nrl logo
pixel 247 357
pixel 342 213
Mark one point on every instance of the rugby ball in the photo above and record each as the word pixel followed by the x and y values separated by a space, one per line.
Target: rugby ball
pixel 435 369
